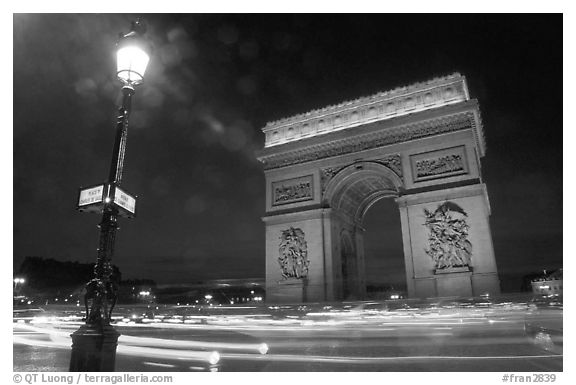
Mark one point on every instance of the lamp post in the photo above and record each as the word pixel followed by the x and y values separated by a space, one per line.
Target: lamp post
pixel 94 344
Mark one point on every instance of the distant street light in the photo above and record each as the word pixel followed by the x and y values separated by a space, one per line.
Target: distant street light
pixel 18 281
pixel 94 344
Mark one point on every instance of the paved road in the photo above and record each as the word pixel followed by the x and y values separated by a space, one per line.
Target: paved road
pixel 475 339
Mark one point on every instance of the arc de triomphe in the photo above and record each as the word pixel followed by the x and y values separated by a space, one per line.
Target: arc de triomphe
pixel 420 145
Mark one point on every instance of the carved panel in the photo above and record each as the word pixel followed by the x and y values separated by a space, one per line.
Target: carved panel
pixel 292 190
pixel 293 250
pixel 439 164
pixel 448 242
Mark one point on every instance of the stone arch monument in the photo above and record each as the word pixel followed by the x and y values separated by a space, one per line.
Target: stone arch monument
pixel 420 145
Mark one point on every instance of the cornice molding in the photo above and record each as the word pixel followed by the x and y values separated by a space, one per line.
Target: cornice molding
pixel 384 137
pixel 400 101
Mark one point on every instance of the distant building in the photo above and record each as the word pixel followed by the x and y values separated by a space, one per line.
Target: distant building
pixel 213 292
pixel 548 284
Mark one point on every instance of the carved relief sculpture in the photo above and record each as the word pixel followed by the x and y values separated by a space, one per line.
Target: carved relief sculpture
pixel 326 174
pixel 293 257
pixel 448 236
pixel 292 190
pixel 394 163
pixel 441 165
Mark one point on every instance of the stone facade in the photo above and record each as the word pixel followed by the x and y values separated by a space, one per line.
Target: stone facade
pixel 420 145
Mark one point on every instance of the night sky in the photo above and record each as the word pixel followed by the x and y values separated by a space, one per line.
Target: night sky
pixel 213 83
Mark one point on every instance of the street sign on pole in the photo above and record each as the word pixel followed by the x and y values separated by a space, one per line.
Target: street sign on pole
pixel 91 198
pixel 124 201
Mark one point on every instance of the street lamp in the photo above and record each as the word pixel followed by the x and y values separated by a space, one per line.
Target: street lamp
pixel 17 281
pixel 94 344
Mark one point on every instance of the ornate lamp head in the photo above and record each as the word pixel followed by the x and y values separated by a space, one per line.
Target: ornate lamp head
pixel 133 55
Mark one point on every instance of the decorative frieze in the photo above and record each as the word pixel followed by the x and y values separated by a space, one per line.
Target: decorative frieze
pixel 443 165
pixel 293 250
pixel 292 190
pixel 439 164
pixel 376 139
pixel 382 106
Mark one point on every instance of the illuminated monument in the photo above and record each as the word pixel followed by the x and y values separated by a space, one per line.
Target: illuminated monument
pixel 420 145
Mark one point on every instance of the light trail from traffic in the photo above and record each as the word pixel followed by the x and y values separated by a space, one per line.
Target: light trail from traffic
pixel 309 337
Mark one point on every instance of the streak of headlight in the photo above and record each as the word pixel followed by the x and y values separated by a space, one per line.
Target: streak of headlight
pixel 180 344
pixel 258 324
pixel 159 364
pixel 59 336
pixel 40 343
pixel 210 357
pixel 413 342
pixel 214 357
pixel 371 360
pixel 245 323
pixel 54 321
pixel 50 332
pixel 308 325
pixel 289 328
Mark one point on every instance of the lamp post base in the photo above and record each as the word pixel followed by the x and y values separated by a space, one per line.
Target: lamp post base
pixel 94 349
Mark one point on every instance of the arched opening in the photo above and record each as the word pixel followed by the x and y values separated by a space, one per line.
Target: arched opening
pixel 385 271
pixel 361 197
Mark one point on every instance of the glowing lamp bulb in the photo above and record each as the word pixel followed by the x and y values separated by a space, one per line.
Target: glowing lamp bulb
pixel 132 56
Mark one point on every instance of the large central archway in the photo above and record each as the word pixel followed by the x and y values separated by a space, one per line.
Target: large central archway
pixel 419 145
pixel 350 193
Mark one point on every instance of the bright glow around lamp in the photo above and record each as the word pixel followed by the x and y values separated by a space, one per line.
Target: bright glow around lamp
pixel 133 55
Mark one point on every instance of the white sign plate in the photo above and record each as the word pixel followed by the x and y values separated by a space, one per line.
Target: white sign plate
pixel 124 200
pixel 91 195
